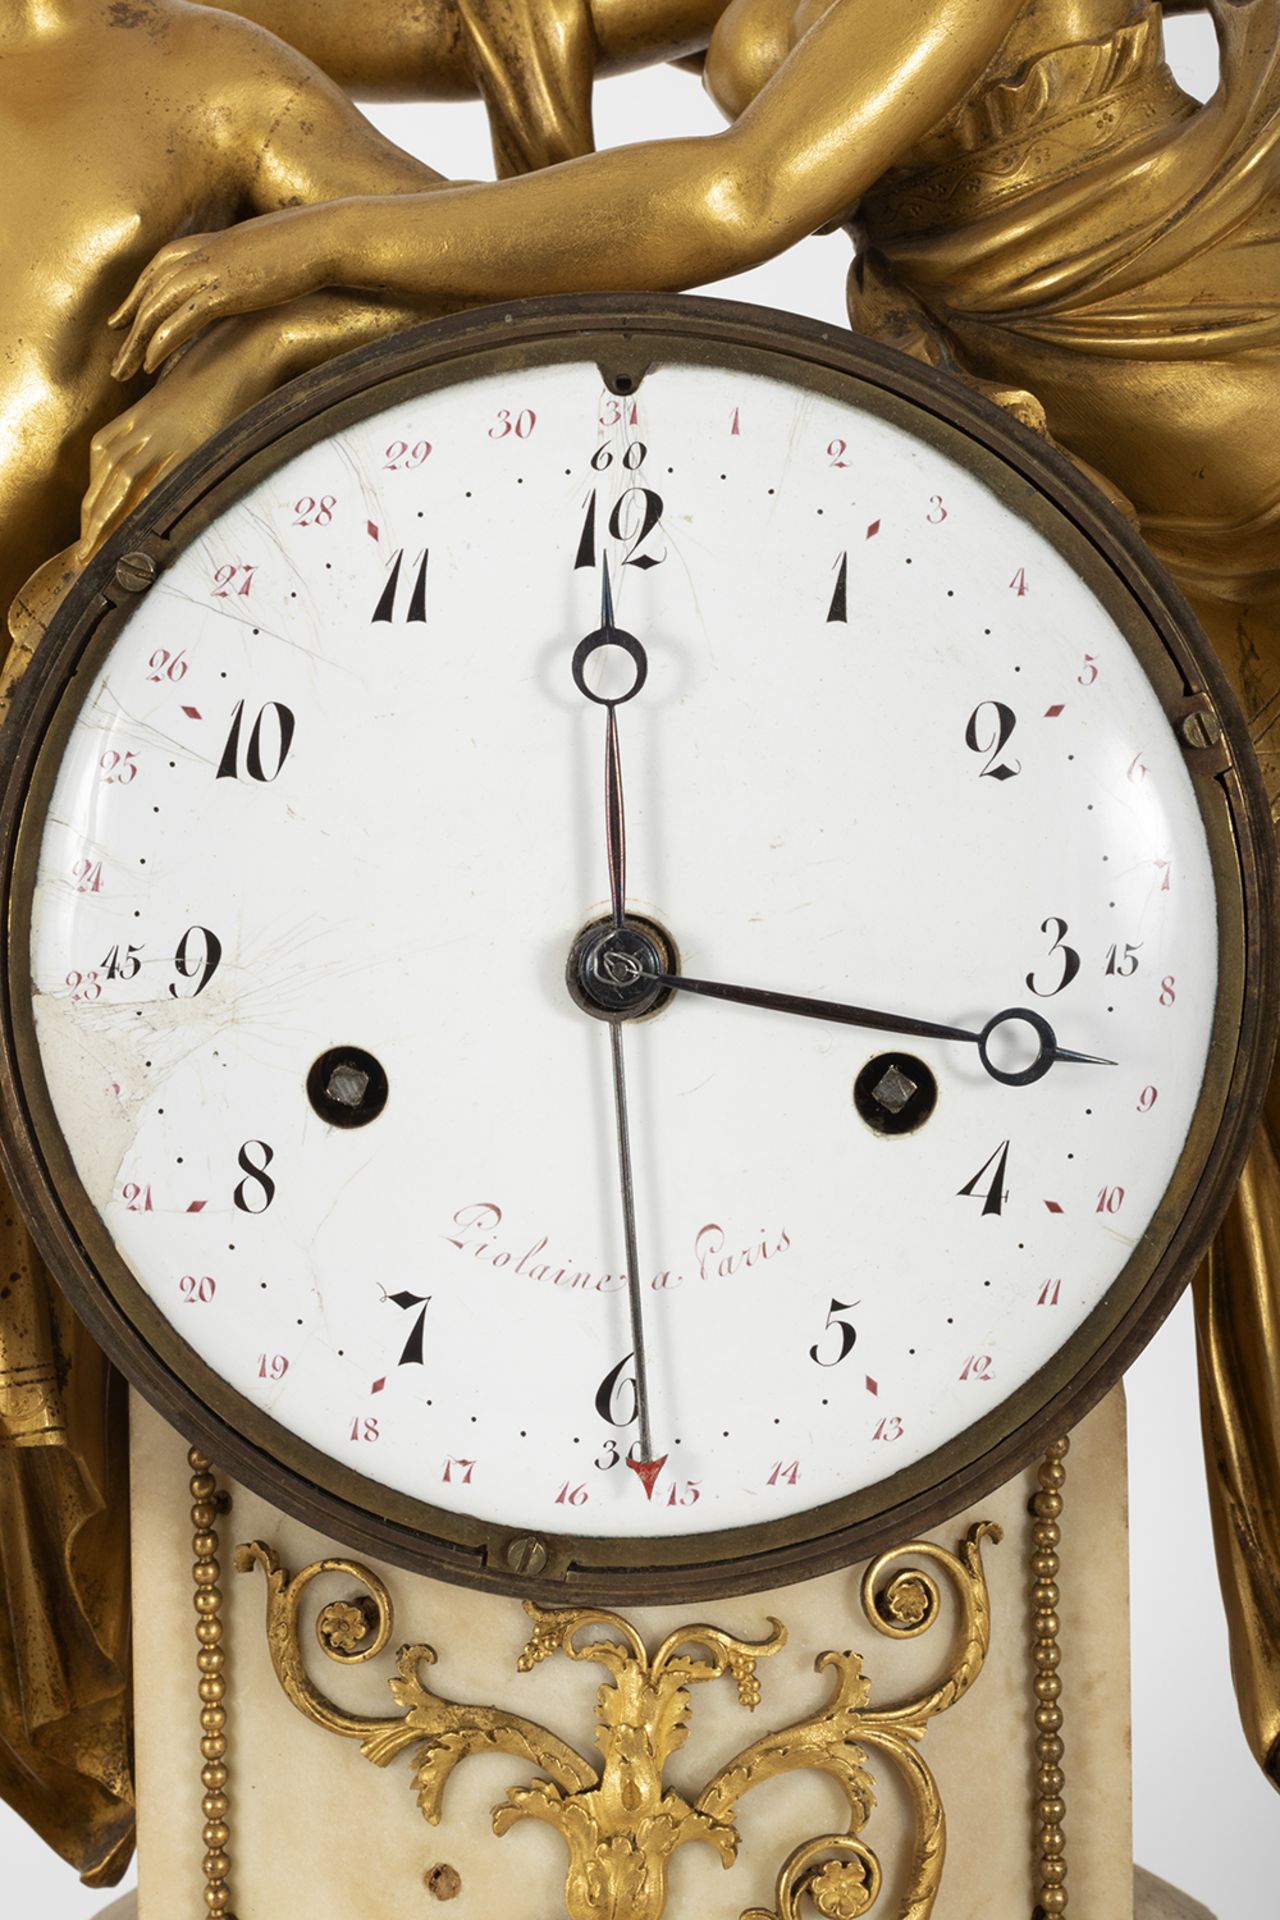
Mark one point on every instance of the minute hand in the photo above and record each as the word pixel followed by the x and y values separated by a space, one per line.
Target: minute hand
pixel 847 1016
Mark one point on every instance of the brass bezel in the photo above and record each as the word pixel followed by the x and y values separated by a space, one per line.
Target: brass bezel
pixel 626 335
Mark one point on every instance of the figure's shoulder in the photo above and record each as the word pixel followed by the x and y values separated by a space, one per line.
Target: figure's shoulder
pixel 228 46
pixel 241 75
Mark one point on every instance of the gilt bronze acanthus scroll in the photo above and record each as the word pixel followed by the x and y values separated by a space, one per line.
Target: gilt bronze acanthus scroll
pixel 621 1823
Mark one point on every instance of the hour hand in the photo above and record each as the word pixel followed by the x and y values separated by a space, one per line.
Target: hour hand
pixel 1048 1052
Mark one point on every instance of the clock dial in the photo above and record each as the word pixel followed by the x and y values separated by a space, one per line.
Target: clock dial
pixel 330 830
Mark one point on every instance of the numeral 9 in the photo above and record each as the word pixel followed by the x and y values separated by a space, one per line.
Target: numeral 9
pixel 203 961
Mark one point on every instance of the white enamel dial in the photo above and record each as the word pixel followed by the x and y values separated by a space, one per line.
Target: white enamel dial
pixel 334 786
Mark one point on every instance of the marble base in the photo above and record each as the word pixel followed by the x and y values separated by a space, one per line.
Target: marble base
pixel 1156 1900
pixel 312 1821
pixel 1152 1900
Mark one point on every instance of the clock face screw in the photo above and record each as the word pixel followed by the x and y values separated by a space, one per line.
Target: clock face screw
pixel 895 1093
pixel 527 1555
pixel 1201 729
pixel 347 1087
pixel 135 572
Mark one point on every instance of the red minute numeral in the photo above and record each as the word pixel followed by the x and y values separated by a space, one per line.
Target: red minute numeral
pixel 1018 584
pixel 1147 1099
pixel 522 425
pixel 272 1366
pixel 1090 672
pixel 735 428
pixel 937 511
pixel 1168 990
pixel 231 583
pixel 684 1494
pixel 786 1473
pixel 309 512
pixel 364 1430
pixel 890 1428
pixel 400 457
pixel 977 1367
pixel 87 875
pixel 197 1290
pixel 836 451
pixel 1110 1200
pixel 1137 772
pixel 85 986
pixel 167 666
pixel 1164 867
pixel 1050 1294
pixel 617 413
pixel 464 1471
pixel 118 769
pixel 137 1199
pixel 571 1496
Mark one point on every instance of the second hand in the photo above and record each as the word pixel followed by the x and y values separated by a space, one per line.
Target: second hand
pixel 646 1468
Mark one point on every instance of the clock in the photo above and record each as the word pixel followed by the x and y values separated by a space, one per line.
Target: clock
pixel 638 948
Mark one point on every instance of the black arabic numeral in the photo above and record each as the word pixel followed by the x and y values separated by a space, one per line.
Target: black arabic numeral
pixel 633 457
pixel 990 735
pixel 255 1176
pixel 623 528
pixel 848 1334
pixel 992 1196
pixel 126 969
pixel 649 516
pixel 839 608
pixel 413 1355
pixel 586 554
pixel 255 766
pixel 385 610
pixel 617 1396
pixel 1070 958
pixel 1126 963
pixel 203 962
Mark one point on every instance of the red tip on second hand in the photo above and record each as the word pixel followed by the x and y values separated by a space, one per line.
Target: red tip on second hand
pixel 647 1471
